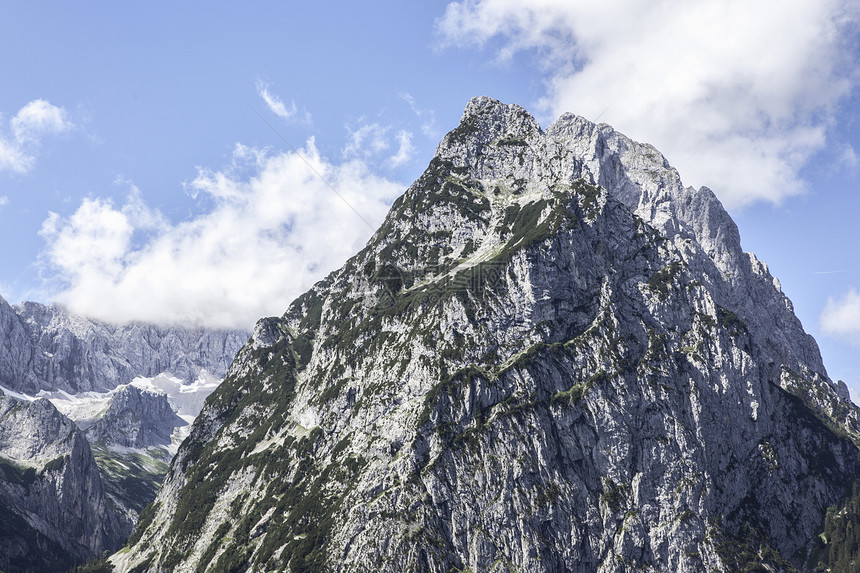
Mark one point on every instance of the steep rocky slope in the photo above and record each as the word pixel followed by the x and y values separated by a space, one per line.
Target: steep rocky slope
pixel 135 418
pixel 552 356
pixel 53 509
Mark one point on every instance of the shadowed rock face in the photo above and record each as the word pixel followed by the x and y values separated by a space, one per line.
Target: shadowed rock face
pixel 49 348
pixel 551 356
pixel 54 510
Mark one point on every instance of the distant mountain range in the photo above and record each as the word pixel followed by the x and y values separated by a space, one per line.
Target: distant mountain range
pixel 90 416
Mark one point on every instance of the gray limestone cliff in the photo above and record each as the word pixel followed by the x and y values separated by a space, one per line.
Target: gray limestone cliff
pixel 115 465
pixel 53 510
pixel 552 356
pixel 132 441
pixel 135 418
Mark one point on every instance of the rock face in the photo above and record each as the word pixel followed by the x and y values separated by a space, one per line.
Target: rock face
pixel 53 510
pixel 49 348
pixel 132 443
pixel 552 356
pixel 135 419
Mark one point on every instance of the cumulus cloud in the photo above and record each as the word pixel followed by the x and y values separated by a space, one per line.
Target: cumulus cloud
pixel 738 95
pixel 274 228
pixel 25 132
pixel 38 118
pixel 12 158
pixel 841 316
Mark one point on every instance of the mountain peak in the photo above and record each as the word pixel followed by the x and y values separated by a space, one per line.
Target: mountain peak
pixel 55 511
pixel 548 330
pixel 500 149
pixel 485 108
pixel 486 121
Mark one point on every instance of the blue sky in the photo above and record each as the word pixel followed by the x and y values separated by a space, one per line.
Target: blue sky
pixel 139 180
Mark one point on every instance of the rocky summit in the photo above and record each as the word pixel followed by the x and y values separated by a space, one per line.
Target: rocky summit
pixel 552 356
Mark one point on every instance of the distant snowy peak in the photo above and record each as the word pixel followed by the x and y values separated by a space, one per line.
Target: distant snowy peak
pixel 148 412
pixel 68 383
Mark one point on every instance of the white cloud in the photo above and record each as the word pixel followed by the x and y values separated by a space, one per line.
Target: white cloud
pixel 12 158
pixel 28 127
pixel 277 106
pixel 372 143
pixel 405 149
pixel 268 237
pixel 369 140
pixel 427 116
pixel 38 118
pixel 4 200
pixel 848 157
pixel 738 95
pixel 841 316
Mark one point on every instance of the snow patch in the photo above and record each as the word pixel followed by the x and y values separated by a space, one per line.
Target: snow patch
pixel 17 395
pixel 185 399
pixel 86 408
pixel 308 418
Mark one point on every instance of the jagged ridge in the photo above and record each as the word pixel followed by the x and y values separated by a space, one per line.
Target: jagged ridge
pixel 48 351
pixel 49 348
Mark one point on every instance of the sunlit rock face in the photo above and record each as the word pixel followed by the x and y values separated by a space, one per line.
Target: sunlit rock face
pixel 135 418
pixel 552 356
